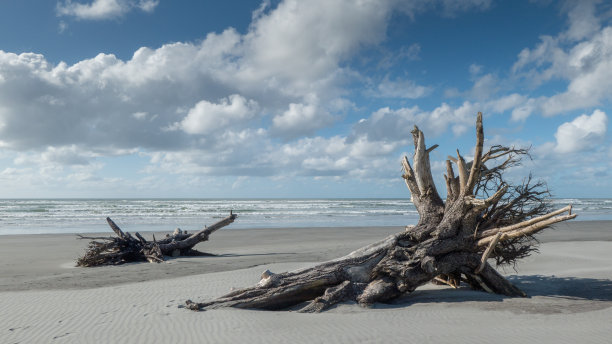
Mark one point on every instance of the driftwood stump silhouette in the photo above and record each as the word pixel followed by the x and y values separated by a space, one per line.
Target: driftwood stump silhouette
pixel 482 217
pixel 125 248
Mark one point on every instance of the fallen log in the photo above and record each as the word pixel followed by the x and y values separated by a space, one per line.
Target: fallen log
pixel 484 217
pixel 124 248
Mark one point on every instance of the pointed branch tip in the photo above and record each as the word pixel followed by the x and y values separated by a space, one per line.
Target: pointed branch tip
pixel 430 149
pixel 488 251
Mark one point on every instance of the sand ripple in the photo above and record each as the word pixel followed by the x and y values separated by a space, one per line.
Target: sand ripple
pixel 567 305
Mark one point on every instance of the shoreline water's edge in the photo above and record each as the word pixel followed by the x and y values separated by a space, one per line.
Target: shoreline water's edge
pixel 88 215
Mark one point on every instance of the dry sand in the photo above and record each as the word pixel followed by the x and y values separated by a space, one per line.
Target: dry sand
pixel 44 299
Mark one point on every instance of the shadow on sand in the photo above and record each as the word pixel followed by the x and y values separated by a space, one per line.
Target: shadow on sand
pixel 565 287
pixel 226 255
pixel 255 254
pixel 562 289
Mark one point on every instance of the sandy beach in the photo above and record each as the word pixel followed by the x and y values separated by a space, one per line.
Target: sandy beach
pixel 46 299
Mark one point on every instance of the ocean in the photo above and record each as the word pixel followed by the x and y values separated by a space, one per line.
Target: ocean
pixel 41 216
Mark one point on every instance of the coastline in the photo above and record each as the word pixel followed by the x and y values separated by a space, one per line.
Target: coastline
pixel 56 216
pixel 45 298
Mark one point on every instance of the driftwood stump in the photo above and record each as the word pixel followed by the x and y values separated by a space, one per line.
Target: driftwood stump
pixel 125 248
pixel 482 217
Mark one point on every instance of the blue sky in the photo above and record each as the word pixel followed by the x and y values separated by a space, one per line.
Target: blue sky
pixel 146 98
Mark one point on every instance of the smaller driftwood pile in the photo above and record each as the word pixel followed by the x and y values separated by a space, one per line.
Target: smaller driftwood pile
pixel 126 248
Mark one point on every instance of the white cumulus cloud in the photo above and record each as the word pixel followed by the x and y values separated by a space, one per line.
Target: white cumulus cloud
pixel 407 89
pixel 394 125
pixel 147 5
pixel 301 119
pixel 206 117
pixel 582 18
pixel 103 9
pixel 230 96
pixel 583 133
pixel 581 55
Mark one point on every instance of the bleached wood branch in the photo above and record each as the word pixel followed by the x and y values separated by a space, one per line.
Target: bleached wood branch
pixel 524 228
pixel 475 170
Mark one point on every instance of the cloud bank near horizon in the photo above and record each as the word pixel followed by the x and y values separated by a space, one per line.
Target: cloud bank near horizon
pixel 262 102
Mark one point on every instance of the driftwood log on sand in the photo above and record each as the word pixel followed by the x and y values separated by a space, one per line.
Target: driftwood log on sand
pixel 483 217
pixel 126 248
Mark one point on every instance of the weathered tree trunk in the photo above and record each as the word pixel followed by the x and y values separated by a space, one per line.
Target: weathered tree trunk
pixel 451 243
pixel 125 248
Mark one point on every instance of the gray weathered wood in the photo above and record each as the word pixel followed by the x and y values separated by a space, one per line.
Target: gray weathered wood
pixel 451 242
pixel 125 248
